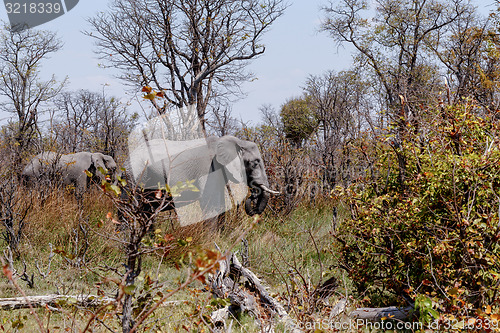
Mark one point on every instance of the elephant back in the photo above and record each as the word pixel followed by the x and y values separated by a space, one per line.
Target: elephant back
pixel 155 162
pixel 40 164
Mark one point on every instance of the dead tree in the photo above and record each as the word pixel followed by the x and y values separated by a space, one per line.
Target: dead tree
pixel 247 294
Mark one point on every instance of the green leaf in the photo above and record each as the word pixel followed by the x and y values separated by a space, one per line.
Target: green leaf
pixel 129 290
pixel 116 189
pixel 434 313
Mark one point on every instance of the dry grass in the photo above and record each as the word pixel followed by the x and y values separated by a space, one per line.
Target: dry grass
pixel 61 232
pixel 84 237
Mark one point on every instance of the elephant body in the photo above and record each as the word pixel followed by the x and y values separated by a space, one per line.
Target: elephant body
pixel 206 176
pixel 69 169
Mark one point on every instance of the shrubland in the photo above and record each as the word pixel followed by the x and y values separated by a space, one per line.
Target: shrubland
pixel 416 224
pixel 423 225
pixel 73 248
pixel 389 179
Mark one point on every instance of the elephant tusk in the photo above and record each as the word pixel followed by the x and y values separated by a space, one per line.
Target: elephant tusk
pixel 269 190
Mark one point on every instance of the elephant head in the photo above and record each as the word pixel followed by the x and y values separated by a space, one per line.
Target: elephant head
pixel 228 148
pixel 106 162
pixel 73 168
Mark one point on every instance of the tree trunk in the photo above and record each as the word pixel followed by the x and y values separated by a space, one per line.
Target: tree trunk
pixel 134 269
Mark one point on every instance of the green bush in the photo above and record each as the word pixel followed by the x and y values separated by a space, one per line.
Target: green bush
pixel 434 232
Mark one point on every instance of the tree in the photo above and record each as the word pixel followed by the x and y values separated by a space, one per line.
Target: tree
pixel 299 122
pixel 90 121
pixel 186 49
pixel 467 49
pixel 340 103
pixel 21 54
pixel 221 122
pixel 393 45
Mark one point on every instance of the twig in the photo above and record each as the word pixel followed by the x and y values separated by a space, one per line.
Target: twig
pixel 195 276
pixel 8 273
pixel 51 255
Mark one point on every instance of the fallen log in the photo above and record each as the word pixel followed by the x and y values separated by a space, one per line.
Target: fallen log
pixel 250 297
pixel 373 314
pixel 391 312
pixel 53 301
pixel 226 284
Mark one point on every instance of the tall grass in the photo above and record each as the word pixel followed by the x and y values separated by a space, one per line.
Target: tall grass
pixel 80 243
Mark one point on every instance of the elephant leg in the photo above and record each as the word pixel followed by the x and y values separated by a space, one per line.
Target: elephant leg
pixel 144 203
pixel 213 206
pixel 211 225
pixel 80 184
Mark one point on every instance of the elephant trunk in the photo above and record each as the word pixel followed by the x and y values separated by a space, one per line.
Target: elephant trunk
pixel 262 202
pixel 257 202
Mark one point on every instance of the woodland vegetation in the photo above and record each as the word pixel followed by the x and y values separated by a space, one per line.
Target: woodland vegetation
pixel 389 171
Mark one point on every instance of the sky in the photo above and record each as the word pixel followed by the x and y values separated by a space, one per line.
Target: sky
pixel 295 49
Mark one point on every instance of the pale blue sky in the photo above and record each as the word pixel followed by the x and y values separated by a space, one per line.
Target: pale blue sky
pixel 294 50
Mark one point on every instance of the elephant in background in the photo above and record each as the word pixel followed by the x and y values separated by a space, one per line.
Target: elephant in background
pixel 69 169
pixel 205 168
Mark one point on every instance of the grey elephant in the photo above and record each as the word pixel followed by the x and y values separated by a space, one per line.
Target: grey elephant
pixel 206 177
pixel 68 169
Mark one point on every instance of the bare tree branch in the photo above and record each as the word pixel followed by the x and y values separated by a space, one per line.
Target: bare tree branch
pixel 186 48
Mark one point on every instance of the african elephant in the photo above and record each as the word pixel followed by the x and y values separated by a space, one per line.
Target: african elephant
pixel 201 171
pixel 69 168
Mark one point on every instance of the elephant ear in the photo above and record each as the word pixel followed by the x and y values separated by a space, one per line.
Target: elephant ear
pixel 226 149
pixel 84 160
pixel 98 161
pixel 109 162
